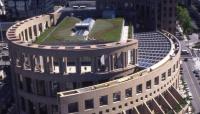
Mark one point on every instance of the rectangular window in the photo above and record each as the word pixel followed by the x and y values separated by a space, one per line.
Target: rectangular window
pixel 21 81
pixel 163 76
pixel 54 109
pixel 148 84
pixel 42 108
pixel 103 100
pixel 54 88
pixel 40 85
pixel 23 106
pixel 73 107
pixel 29 85
pixel 156 80
pixel 128 92
pixel 174 68
pixel 169 72
pixel 177 64
pixel 31 107
pixel 89 104
pixel 139 88
pixel 116 96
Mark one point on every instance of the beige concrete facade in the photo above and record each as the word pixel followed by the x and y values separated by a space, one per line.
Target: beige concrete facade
pixel 44 82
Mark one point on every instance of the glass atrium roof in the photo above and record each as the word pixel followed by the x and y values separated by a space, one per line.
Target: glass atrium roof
pixel 153 47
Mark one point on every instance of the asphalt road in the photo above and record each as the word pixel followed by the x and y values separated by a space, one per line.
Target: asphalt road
pixel 189 76
pixel 193 83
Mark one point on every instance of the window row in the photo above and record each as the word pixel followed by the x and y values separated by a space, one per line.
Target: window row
pixel 72 65
pixel 103 100
pixel 116 96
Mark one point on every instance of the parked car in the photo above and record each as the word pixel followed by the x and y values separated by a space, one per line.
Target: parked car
pixel 185 59
pixel 195 71
pixel 181 72
pixel 196 75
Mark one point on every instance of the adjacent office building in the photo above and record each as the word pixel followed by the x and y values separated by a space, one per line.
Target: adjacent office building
pixel 27 8
pixel 147 15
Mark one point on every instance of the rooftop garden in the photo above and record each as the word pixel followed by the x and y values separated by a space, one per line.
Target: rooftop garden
pixel 107 30
pixel 59 33
pixel 104 30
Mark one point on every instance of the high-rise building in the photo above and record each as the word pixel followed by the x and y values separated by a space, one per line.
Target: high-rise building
pixel 147 15
pixel 28 8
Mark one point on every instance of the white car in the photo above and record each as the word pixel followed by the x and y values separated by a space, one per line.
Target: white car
pixel 190 95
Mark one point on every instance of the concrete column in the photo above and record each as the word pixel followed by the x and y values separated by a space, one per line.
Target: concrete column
pixel 24 84
pixel 61 65
pixel 29 60
pixel 36 105
pixel 126 58
pixel 116 61
pixel 96 64
pixel 22 34
pixel 47 89
pixel 33 35
pixel 17 84
pixel 112 62
pixel 136 56
pixel 34 86
pixel 27 106
pixel 50 64
pixel 63 85
pixel 41 63
pixel 32 57
pixel 123 59
pixel 133 57
pixel 108 62
pixel 38 30
pixel 49 23
pixel 25 35
pixel 78 66
pixel 35 30
pixel 65 65
pixel 22 61
pixel 20 37
pixel 118 57
pixel 46 64
pixel 49 109
pixel 28 35
pixel 43 27
pixel 93 66
pixel 110 99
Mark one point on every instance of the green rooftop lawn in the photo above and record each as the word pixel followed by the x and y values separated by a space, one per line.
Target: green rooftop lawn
pixel 104 30
pixel 61 32
pixel 107 29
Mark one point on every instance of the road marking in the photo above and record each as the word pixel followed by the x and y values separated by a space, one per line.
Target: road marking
pixel 192 81
pixel 190 52
pixel 195 53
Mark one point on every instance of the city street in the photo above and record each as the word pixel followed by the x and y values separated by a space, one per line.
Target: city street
pixel 193 82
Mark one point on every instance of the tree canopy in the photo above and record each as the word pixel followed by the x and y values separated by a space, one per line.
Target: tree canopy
pixel 184 19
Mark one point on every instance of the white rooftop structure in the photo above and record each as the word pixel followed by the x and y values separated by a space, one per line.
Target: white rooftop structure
pixel 83 28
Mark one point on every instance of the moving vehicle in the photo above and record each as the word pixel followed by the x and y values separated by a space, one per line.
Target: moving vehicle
pixel 184 52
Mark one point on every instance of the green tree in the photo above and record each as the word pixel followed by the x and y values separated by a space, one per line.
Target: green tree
pixel 184 19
